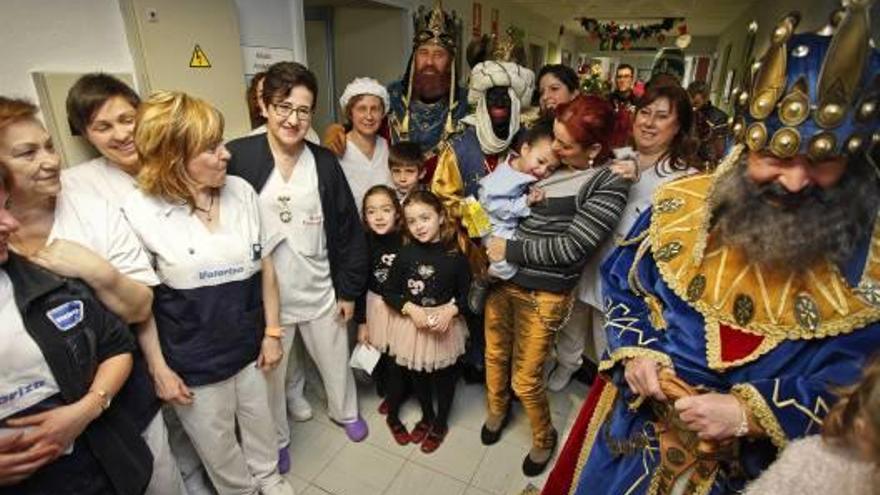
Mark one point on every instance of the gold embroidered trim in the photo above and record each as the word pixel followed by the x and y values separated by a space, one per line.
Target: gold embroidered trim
pixel 762 413
pixel 635 240
pixel 600 414
pixel 713 348
pixel 782 305
pixel 630 352
pixel 701 489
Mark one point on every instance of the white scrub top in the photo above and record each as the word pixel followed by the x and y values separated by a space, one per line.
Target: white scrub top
pixel 185 253
pixel 363 173
pixel 100 179
pixel 94 223
pixel 26 379
pixel 294 222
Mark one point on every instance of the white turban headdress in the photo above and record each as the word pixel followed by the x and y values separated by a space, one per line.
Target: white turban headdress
pixel 519 81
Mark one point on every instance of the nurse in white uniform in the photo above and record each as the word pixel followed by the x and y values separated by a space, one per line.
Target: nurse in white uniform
pixel 365 162
pixel 217 304
pixel 321 257
pixel 102 109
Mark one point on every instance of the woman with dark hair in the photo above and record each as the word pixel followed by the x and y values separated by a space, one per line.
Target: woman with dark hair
pixel 102 109
pixel 256 108
pixel 557 84
pixel 319 248
pixel 583 204
pixel 663 152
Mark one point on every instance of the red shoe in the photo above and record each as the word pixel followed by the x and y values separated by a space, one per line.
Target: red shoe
pixel 383 408
pixel 434 439
pixel 398 431
pixel 420 431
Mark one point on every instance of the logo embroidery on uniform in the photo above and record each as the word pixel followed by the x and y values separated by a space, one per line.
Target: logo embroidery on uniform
pixel 67 316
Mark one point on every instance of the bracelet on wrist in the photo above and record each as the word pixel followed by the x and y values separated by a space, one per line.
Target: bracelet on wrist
pixel 743 428
pixel 104 397
pixel 275 332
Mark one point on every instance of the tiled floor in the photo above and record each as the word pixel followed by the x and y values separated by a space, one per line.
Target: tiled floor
pixel 326 462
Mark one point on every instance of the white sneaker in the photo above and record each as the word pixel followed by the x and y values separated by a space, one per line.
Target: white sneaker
pixel 283 488
pixel 559 378
pixel 300 409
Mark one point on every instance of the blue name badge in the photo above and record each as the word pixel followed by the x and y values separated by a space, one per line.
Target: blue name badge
pixel 67 316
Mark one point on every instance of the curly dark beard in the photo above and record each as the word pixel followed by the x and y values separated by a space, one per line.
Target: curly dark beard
pixel 777 229
pixel 430 86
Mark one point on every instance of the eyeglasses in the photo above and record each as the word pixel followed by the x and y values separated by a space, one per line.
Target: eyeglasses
pixel 285 110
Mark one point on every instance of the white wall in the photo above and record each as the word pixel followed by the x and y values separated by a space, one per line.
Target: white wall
pixel 273 24
pixel 60 36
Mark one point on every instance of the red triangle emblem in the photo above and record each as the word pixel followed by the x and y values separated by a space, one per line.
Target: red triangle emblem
pixel 736 344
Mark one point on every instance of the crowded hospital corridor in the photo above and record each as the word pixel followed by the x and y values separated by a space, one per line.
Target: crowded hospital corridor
pixel 439 247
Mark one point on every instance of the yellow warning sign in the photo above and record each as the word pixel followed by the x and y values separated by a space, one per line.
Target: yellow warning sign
pixel 199 60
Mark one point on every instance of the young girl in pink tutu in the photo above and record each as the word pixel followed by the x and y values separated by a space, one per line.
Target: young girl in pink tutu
pixel 428 285
pixel 377 322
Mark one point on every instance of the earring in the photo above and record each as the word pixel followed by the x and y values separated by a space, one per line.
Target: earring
pixel 590 162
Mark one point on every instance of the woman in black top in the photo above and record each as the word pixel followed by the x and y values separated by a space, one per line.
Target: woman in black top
pixel 64 357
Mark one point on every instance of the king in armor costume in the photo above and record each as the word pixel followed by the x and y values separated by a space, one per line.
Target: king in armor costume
pixel 741 299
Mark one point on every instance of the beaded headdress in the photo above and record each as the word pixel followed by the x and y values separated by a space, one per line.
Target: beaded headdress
pixel 814 93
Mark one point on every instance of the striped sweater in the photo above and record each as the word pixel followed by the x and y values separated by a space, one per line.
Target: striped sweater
pixel 553 244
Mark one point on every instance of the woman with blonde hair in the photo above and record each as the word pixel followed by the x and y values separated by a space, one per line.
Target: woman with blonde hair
pixel 845 458
pixel 217 306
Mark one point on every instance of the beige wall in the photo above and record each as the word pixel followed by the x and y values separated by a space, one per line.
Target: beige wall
pixel 369 42
pixel 539 30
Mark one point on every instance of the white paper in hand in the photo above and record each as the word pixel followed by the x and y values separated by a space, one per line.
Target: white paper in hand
pixel 364 357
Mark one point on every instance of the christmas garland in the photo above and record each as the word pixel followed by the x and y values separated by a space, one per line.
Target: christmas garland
pixel 614 36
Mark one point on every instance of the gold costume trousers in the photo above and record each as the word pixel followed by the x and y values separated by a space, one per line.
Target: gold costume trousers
pixel 520 326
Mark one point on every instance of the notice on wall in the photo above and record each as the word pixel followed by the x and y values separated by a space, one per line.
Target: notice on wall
pixel 199 60
pixel 259 58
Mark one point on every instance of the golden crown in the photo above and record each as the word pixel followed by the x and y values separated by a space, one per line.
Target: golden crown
pixel 435 26
pixel 813 93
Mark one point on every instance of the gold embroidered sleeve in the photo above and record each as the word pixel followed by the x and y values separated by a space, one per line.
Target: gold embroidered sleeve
pixel 623 353
pixel 762 413
pixel 447 183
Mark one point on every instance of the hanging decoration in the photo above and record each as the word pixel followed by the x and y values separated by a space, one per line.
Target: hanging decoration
pixel 614 36
pixel 593 81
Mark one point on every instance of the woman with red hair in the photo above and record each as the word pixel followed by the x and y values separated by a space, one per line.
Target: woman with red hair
pixel 583 202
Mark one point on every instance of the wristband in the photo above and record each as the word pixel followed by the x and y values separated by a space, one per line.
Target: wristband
pixel 276 332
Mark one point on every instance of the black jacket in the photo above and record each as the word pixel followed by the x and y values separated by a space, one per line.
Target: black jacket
pixel 73 356
pixel 346 242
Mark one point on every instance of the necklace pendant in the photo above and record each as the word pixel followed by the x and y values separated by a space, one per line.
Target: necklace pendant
pixel 286 216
